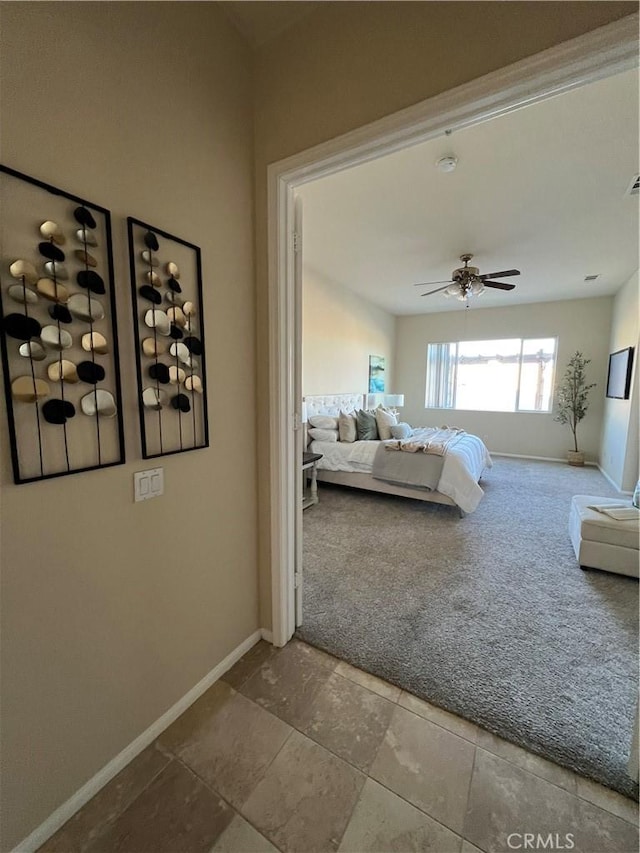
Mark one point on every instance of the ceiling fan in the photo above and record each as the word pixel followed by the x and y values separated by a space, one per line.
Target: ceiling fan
pixel 466 281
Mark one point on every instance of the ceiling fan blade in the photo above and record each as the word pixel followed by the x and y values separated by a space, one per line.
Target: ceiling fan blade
pixel 499 274
pixel 438 289
pixel 428 283
pixel 499 285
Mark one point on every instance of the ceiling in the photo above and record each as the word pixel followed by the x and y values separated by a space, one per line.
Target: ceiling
pixel 259 22
pixel 542 190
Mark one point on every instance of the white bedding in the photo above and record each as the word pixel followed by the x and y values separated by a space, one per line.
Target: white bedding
pixel 352 457
pixel 462 468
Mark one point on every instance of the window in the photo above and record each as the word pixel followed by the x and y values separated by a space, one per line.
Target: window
pixel 510 375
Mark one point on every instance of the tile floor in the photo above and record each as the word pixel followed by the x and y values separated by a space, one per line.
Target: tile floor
pixel 299 752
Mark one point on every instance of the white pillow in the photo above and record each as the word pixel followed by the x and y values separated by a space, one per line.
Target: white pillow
pixel 401 431
pixel 385 419
pixel 323 434
pixel 347 426
pixel 323 422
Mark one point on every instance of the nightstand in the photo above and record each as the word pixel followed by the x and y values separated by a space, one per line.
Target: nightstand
pixel 310 464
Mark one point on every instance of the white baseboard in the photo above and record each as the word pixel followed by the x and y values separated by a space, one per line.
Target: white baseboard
pixel 613 482
pixel 607 477
pixel 537 458
pixel 62 814
pixel 266 635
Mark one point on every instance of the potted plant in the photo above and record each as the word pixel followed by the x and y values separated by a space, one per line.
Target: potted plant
pixel 572 401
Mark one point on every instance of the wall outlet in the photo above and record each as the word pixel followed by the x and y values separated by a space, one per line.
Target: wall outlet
pixel 148 484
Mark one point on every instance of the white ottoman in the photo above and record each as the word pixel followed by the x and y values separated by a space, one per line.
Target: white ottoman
pixel 601 542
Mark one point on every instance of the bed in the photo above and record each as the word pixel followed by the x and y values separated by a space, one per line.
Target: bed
pixel 451 478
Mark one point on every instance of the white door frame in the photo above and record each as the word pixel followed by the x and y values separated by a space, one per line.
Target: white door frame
pixel 593 56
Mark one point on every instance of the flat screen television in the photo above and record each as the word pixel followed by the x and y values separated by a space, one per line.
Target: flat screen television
pixel 619 376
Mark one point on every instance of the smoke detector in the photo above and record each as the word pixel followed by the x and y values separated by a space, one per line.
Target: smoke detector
pixel 447 163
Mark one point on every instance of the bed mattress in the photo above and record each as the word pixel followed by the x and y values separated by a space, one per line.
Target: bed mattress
pixel 462 467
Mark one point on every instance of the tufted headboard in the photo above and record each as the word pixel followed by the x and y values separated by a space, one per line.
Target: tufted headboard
pixel 333 404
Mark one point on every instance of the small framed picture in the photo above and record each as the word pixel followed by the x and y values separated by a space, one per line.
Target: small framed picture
pixel 376 374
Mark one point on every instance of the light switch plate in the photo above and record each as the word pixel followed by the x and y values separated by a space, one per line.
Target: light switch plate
pixel 148 484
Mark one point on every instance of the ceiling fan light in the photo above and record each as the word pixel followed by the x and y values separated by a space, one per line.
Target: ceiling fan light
pixel 477 288
pixel 452 290
pixel 462 296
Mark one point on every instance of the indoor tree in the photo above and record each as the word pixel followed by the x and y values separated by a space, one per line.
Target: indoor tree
pixel 572 395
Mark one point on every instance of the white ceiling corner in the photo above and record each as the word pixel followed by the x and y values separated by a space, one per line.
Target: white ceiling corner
pixel 261 21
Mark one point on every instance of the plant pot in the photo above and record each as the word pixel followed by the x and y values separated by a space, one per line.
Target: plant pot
pixel 575 457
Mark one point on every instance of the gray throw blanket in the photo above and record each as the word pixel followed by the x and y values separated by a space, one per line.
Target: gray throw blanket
pixel 417 470
pixel 435 440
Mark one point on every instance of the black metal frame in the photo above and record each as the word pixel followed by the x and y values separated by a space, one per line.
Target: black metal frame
pixel 136 307
pixel 15 461
pixel 628 368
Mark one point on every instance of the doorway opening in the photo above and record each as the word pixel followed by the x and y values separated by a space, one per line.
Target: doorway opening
pixel 594 56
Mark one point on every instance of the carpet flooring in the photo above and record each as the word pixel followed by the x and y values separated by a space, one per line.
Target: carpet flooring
pixel 489 616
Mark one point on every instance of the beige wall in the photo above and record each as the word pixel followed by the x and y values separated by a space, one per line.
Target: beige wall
pixel 348 64
pixel 619 448
pixel 579 324
pixel 146 109
pixel 112 610
pixel 340 330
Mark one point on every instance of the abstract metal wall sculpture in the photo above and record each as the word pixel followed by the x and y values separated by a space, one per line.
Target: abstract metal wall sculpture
pixel 59 341
pixel 166 288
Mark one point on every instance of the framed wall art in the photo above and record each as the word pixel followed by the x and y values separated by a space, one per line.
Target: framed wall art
pixel 376 374
pixel 58 335
pixel 619 374
pixel 166 289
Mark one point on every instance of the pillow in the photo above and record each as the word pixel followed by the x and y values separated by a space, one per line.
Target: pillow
pixel 366 425
pixel 401 431
pixel 347 426
pixel 323 421
pixel 385 419
pixel 323 434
